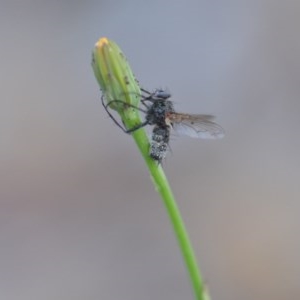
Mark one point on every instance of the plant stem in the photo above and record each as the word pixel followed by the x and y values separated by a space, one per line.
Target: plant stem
pixel 163 188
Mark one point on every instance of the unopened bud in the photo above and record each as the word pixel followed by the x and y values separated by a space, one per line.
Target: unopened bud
pixel 114 75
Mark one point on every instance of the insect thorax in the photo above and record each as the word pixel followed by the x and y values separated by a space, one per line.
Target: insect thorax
pixel 158 111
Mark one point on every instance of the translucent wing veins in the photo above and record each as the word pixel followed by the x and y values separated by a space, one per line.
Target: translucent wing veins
pixel 196 126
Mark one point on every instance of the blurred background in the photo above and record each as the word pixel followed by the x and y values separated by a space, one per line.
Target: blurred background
pixel 79 216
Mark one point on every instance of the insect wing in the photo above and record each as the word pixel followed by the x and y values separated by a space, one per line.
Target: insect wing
pixel 196 126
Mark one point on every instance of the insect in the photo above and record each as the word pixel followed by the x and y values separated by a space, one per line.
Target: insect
pixel 159 111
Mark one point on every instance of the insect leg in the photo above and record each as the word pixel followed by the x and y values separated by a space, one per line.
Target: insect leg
pixel 137 127
pixel 146 92
pixel 110 115
pixel 149 98
pixel 116 122
pixel 126 105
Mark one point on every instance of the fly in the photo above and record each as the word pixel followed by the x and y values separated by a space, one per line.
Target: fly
pixel 160 113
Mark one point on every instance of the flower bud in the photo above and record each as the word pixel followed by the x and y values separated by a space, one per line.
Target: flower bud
pixel 114 75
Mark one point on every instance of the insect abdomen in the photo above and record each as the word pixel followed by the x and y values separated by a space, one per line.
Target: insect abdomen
pixel 159 143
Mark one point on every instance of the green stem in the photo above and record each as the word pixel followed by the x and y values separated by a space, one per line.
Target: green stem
pixel 163 188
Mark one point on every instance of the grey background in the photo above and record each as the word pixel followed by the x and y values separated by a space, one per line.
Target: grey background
pixel 79 217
